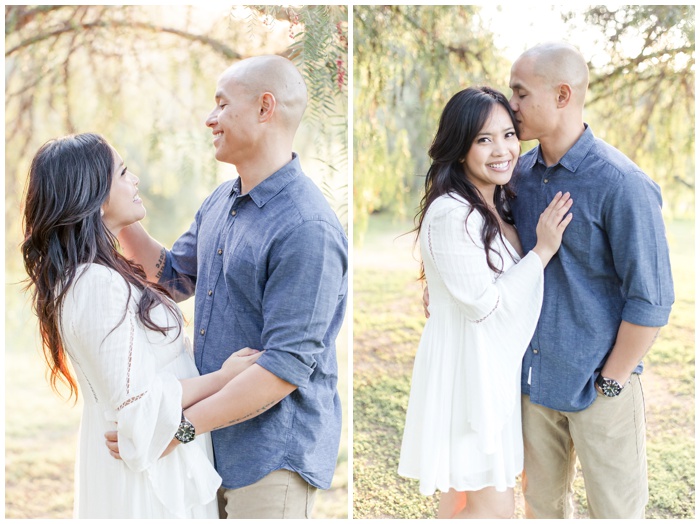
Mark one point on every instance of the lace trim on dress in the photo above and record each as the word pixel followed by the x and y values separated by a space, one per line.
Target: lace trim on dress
pixel 498 300
pixel 76 363
pixel 130 401
pixel 128 371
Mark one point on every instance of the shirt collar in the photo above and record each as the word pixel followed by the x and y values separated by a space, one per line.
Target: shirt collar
pixel 574 156
pixel 273 184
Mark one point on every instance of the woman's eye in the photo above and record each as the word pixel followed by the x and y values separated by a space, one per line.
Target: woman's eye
pixel 510 134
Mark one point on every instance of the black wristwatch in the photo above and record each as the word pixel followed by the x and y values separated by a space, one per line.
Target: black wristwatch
pixel 608 386
pixel 185 432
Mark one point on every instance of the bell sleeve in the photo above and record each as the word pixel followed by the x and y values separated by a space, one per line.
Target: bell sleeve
pixel 143 400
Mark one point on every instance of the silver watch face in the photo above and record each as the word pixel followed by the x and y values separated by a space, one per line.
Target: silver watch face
pixel 185 433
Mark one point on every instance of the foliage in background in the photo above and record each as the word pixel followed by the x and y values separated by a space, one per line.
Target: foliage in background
pixel 144 77
pixel 320 50
pixel 642 91
pixel 410 59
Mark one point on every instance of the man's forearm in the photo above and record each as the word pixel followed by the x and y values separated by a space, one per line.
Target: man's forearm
pixel 248 395
pixel 633 342
pixel 143 249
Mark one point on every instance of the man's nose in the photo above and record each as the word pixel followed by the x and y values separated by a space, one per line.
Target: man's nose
pixel 211 119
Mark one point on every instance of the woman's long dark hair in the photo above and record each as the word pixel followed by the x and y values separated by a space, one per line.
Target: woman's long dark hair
pixel 69 180
pixel 463 117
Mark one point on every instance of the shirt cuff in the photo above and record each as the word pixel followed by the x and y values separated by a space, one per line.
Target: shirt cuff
pixel 645 314
pixel 286 366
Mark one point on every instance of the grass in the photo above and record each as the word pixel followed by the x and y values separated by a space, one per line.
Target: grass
pixel 388 320
pixel 41 429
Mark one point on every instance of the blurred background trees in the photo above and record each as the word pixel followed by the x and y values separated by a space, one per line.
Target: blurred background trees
pixel 144 76
pixel 410 59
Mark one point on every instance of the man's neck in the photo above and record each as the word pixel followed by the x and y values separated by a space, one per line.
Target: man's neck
pixel 557 144
pixel 260 168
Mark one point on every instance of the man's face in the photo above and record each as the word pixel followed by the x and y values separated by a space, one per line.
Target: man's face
pixel 233 121
pixel 533 101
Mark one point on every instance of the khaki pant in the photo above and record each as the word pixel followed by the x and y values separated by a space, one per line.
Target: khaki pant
pixel 609 439
pixel 282 494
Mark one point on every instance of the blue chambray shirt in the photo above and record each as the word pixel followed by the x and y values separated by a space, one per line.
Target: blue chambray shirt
pixel 270 269
pixel 613 265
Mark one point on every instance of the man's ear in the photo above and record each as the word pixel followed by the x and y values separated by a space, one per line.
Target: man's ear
pixel 564 95
pixel 267 107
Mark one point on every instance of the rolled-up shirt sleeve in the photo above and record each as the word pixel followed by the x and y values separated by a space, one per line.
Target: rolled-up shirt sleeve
pixel 307 279
pixel 637 235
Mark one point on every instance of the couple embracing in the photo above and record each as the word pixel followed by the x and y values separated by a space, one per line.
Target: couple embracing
pixel 251 413
pixel 548 279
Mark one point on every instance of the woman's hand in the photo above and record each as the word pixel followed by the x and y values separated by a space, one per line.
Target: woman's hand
pixel 112 442
pixel 239 361
pixel 551 226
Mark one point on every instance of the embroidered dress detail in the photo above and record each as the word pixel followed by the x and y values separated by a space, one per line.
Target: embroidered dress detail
pixel 498 301
pixel 131 401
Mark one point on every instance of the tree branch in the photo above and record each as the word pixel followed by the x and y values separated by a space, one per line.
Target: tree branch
pixel 68 27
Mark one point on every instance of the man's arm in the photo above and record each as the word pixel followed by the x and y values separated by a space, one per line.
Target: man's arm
pixel 633 342
pixel 637 237
pixel 143 249
pixel 248 395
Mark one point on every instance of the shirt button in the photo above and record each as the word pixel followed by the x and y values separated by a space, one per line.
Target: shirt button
pixel 210 292
pixel 233 212
pixel 535 351
pixel 201 332
pixel 546 180
pixel 220 251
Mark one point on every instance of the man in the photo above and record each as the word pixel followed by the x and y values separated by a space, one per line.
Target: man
pixel 607 293
pixel 266 259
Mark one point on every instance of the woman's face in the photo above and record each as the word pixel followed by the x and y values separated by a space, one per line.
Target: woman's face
pixel 494 152
pixel 123 205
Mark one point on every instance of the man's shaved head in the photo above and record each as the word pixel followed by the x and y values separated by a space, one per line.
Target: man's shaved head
pixel 276 75
pixel 559 63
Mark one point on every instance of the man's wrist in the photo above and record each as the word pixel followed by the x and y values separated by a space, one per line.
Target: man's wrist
pixel 622 376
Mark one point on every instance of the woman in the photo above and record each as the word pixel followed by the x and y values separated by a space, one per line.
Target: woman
pixel 122 335
pixel 463 432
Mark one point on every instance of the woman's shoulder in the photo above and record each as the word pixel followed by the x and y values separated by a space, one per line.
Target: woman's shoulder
pixel 450 204
pixel 96 277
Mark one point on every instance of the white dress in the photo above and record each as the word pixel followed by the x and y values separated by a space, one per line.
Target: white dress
pixel 128 377
pixel 463 425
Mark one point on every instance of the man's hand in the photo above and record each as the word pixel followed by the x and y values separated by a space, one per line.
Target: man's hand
pixel 112 443
pixel 426 302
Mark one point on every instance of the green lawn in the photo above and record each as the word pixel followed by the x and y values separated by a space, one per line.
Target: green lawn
pixel 388 320
pixel 41 429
